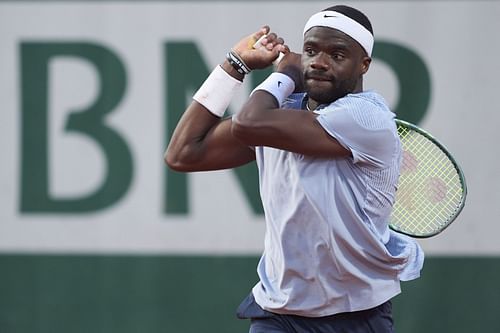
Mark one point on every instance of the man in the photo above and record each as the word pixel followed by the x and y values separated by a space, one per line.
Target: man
pixel 328 164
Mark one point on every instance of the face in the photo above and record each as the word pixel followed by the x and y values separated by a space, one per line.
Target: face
pixel 333 64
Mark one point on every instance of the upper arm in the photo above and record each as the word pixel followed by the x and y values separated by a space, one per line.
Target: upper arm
pixel 297 131
pixel 356 128
pixel 368 131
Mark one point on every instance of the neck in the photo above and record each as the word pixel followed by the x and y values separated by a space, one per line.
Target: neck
pixel 359 86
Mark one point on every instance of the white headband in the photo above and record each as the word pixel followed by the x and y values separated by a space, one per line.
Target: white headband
pixel 347 25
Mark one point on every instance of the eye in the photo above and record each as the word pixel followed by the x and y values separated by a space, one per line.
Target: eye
pixel 309 51
pixel 338 56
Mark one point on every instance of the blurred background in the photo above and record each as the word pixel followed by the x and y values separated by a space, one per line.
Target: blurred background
pixel 98 235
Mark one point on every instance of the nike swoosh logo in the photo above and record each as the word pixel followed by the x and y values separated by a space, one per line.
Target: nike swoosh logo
pixel 327 16
pixel 279 83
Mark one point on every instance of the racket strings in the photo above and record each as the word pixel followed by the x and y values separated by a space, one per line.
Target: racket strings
pixel 430 212
pixel 430 189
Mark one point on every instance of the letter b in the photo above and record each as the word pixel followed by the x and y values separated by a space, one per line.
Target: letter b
pixel 35 183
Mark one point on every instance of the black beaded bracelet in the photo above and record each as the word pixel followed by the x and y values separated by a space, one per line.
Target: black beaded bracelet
pixel 237 63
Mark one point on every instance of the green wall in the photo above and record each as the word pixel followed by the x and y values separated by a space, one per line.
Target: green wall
pixel 199 294
pixel 145 60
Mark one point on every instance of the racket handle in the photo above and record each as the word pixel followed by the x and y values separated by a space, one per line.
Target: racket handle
pixel 258 44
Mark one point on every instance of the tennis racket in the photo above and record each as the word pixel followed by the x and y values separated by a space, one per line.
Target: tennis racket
pixel 431 191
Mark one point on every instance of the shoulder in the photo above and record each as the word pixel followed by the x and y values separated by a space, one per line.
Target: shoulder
pixel 363 123
pixel 367 109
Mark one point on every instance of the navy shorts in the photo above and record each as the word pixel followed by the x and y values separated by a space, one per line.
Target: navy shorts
pixel 375 320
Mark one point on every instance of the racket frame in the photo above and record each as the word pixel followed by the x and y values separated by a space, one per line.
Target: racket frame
pixel 457 167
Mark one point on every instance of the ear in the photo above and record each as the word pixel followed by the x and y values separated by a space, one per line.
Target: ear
pixel 365 64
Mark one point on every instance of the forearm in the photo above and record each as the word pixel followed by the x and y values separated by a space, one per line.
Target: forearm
pixel 252 113
pixel 257 114
pixel 202 140
pixel 187 141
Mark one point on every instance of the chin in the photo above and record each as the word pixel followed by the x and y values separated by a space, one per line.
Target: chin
pixel 324 97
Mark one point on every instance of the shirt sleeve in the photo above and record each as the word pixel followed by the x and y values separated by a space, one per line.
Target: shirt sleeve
pixel 367 131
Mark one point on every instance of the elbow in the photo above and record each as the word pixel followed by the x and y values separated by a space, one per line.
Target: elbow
pixel 174 161
pixel 255 122
pixel 170 160
pixel 242 128
pixel 247 124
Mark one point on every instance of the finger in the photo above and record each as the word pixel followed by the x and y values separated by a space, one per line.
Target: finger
pixel 257 35
pixel 284 49
pixel 263 31
pixel 258 44
pixel 275 41
pixel 270 41
pixel 271 37
pixel 277 46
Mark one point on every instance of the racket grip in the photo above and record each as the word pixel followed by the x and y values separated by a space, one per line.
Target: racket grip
pixel 258 44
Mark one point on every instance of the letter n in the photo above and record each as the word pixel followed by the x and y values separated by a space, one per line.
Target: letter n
pixel 185 71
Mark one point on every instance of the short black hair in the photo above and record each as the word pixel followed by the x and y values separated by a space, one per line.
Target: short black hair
pixel 354 14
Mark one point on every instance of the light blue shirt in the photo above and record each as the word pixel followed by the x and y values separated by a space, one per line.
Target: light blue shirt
pixel 328 248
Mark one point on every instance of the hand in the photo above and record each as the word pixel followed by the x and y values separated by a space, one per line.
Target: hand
pixel 263 56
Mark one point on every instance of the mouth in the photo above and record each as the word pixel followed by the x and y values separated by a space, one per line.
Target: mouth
pixel 318 77
pixel 319 82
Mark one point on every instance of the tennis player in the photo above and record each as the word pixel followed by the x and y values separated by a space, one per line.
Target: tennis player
pixel 328 155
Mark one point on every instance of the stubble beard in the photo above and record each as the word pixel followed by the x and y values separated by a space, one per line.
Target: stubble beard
pixel 327 96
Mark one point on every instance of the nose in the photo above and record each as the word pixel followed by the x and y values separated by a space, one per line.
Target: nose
pixel 321 61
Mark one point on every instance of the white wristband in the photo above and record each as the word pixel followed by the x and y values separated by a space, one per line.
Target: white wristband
pixel 217 91
pixel 279 85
